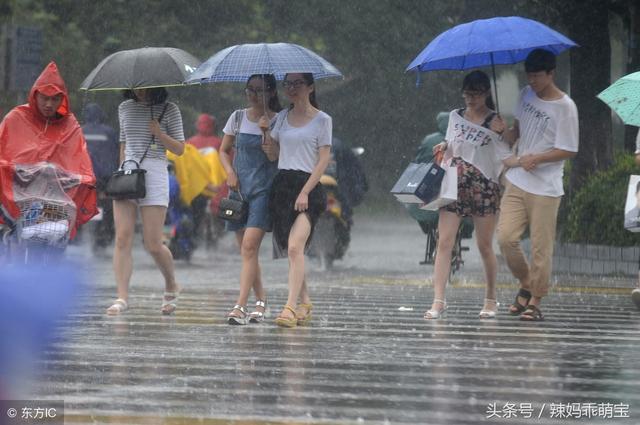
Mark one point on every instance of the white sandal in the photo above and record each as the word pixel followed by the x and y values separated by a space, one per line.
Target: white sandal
pixel 488 314
pixel 241 319
pixel 436 314
pixel 169 306
pixel 119 306
pixel 259 316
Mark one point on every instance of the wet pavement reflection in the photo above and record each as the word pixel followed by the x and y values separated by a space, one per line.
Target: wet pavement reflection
pixel 367 357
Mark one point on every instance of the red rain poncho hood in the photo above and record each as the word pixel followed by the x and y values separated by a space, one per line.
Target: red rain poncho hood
pixel 28 137
pixel 205 138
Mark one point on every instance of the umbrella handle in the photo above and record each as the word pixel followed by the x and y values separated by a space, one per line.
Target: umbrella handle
pixel 495 84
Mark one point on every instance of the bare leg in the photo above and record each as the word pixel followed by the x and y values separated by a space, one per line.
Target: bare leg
pixel 448 224
pixel 124 214
pixel 298 236
pixel 153 218
pixel 250 273
pixel 485 228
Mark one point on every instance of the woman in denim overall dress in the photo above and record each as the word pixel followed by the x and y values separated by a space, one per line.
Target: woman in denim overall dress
pixel 250 177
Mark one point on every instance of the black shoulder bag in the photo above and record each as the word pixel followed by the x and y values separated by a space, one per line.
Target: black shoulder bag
pixel 130 184
pixel 230 209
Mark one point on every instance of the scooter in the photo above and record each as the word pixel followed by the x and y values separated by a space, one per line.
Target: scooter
pixel 179 229
pixel 332 233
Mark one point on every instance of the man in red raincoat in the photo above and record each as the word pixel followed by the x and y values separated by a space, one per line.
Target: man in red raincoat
pixel 45 130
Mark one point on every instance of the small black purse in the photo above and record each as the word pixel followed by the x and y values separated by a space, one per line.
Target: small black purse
pixel 130 184
pixel 127 184
pixel 233 209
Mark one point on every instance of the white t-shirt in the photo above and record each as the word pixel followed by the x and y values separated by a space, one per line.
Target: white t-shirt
pixel 246 126
pixel 477 145
pixel 544 125
pixel 638 143
pixel 299 146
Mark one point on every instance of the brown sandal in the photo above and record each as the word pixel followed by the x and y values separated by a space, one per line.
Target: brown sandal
pixel 532 314
pixel 516 308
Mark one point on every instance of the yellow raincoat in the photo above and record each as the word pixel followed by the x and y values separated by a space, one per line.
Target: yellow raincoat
pixel 194 171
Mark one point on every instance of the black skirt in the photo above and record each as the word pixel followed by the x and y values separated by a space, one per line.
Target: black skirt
pixel 284 192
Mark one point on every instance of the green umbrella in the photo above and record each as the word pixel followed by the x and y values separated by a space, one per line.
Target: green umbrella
pixel 623 96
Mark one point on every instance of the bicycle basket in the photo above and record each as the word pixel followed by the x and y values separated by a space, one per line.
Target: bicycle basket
pixel 45 222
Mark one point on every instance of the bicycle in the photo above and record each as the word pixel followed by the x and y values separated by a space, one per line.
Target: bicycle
pixel 456 254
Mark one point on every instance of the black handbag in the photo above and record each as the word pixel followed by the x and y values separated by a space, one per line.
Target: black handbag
pixel 233 209
pixel 127 184
pixel 130 184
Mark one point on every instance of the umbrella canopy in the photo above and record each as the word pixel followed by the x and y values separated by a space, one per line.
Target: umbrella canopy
pixel 623 97
pixel 141 68
pixel 238 63
pixel 495 41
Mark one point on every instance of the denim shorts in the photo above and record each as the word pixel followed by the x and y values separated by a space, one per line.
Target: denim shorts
pixel 258 214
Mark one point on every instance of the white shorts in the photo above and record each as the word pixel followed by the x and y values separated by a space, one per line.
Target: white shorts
pixel 156 182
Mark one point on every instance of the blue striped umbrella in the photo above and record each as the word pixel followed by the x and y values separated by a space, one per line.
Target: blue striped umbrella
pixel 238 63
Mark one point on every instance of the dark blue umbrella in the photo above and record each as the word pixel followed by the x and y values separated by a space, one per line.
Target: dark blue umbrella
pixel 488 42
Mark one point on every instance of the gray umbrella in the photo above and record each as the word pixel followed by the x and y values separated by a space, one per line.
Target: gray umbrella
pixel 141 68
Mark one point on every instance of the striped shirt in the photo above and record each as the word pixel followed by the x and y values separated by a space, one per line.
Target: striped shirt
pixel 134 120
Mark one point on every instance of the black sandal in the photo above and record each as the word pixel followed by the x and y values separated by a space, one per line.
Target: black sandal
pixel 519 308
pixel 532 314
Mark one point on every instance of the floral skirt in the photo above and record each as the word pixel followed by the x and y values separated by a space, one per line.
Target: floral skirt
pixel 477 195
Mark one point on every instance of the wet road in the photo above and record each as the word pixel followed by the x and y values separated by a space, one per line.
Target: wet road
pixel 367 357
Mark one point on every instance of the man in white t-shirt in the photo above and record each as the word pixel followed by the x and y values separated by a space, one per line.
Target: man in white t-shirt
pixel 547 128
pixel 635 294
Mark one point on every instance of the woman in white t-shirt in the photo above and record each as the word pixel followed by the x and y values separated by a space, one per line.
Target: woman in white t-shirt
pixel 251 174
pixel 303 134
pixel 477 153
pixel 149 126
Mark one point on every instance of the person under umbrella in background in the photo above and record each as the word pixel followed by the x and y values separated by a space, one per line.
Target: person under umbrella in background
pixel 251 174
pixel 149 126
pixel 303 134
pixel 477 153
pixel 104 150
pixel 547 128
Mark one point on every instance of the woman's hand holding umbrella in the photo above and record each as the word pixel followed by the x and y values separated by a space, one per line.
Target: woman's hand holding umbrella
pixel 154 128
pixel 268 146
pixel 497 125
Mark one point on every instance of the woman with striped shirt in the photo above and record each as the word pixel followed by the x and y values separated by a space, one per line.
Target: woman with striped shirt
pixel 149 126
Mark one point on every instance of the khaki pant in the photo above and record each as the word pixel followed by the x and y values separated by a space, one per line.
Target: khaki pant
pixel 518 210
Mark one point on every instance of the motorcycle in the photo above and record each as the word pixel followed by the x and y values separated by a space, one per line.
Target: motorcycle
pixel 332 233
